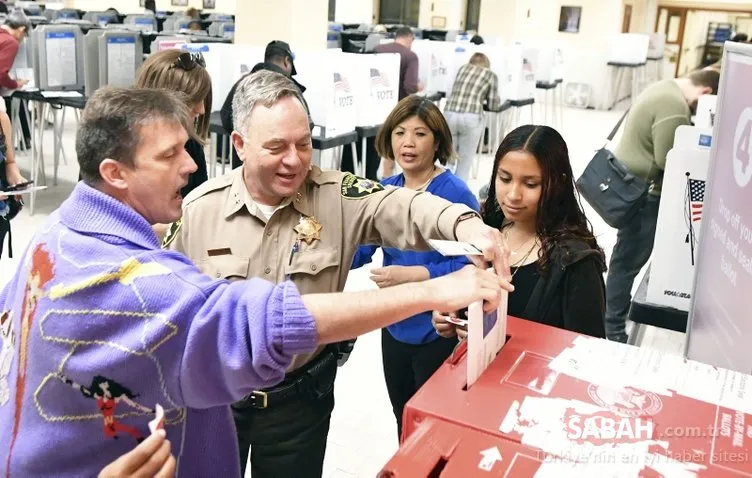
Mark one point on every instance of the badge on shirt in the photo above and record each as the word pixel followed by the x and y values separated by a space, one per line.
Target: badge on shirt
pixel 172 233
pixel 308 229
pixel 354 187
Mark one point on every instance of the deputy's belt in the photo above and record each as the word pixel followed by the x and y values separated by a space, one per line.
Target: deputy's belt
pixel 312 381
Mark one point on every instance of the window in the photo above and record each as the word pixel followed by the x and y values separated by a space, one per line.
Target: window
pixel 472 19
pixel 399 12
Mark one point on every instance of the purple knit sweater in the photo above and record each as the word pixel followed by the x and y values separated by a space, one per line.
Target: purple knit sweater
pixel 99 325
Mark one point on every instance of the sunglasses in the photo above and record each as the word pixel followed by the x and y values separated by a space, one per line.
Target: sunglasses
pixel 189 60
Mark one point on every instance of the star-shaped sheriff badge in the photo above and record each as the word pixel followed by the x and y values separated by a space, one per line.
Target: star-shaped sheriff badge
pixel 308 229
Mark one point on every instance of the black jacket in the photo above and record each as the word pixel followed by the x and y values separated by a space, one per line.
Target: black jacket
pixel 226 112
pixel 196 151
pixel 571 294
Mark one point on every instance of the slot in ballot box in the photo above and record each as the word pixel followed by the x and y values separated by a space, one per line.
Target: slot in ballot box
pixel 590 401
pixel 445 450
pixel 59 57
pixel 112 57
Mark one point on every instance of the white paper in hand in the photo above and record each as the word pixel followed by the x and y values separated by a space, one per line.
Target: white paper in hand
pixel 486 334
pixel 27 190
pixel 158 422
pixel 454 248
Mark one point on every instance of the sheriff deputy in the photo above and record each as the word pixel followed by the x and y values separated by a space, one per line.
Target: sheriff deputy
pixel 278 218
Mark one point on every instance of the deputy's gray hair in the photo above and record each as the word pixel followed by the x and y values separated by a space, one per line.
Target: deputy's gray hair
pixel 265 88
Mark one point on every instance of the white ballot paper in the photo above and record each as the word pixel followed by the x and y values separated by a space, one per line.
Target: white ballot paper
pixel 486 334
pixel 454 248
pixel 159 419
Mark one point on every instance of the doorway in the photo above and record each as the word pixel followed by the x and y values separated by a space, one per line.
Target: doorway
pixel 695 36
pixel 671 22
pixel 627 20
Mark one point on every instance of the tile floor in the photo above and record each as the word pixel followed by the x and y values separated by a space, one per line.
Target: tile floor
pixel 363 433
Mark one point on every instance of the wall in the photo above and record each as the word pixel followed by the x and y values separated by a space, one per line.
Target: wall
pixel 453 10
pixel 132 6
pixel 354 11
pixel 585 52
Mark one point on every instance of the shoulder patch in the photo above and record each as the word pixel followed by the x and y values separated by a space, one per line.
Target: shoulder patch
pixel 172 233
pixel 354 187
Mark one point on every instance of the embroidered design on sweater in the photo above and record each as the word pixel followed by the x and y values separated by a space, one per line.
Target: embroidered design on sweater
pixel 156 330
pixel 108 394
pixel 129 270
pixel 41 273
pixel 6 353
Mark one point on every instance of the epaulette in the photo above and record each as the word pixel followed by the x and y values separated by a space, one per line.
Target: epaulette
pixel 214 184
pixel 319 176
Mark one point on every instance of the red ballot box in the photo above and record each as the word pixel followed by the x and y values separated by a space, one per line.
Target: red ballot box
pixel 441 449
pixel 597 404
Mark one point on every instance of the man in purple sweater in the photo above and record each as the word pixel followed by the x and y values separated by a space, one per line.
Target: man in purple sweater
pixel 103 325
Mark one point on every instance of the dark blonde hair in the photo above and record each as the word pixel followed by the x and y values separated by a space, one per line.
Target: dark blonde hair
pixel 479 59
pixel 161 70
pixel 429 113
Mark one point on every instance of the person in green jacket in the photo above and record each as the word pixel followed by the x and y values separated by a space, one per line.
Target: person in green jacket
pixel 648 137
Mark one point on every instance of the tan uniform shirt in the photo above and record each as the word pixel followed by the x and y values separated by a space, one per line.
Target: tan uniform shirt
pixel 225 234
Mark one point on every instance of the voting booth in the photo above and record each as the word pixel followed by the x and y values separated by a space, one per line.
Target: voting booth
pixel 677 235
pixel 719 326
pixel 563 405
pixel 520 77
pixel 222 29
pixel 145 23
pixel 546 62
pixel 629 48
pixel 169 42
pixel 100 18
pixel 330 93
pixel 435 61
pixel 706 106
pixel 220 17
pixel 375 82
pixel 62 14
pixel 112 57
pixel 59 59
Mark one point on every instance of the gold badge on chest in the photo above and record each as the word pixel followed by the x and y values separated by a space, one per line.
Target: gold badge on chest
pixel 308 229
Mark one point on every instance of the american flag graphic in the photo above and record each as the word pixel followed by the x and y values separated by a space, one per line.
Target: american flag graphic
pixel 696 198
pixel 379 79
pixel 341 84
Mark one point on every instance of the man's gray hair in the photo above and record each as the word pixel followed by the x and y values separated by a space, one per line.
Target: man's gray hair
pixel 17 19
pixel 265 88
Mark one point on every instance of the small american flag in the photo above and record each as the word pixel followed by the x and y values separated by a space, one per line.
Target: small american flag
pixel 341 84
pixel 696 198
pixel 379 79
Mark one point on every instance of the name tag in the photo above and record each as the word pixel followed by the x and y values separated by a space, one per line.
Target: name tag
pixel 225 251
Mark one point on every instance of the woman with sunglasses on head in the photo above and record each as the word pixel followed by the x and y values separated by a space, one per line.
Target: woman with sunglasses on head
pixel 184 72
pixel 557 265
pixel 416 135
